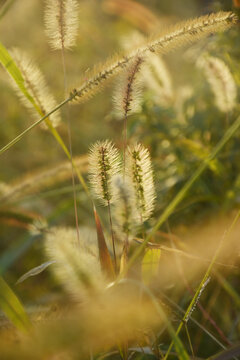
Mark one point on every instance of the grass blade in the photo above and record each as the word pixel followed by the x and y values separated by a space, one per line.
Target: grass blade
pixel 105 258
pixel 12 307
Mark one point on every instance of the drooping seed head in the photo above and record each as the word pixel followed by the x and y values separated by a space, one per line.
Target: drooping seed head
pixel 177 36
pixel 36 86
pixel 127 97
pixel 139 173
pixel 104 163
pixel 221 81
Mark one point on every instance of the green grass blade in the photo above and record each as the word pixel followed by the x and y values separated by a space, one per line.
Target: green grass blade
pixel 11 67
pixel 12 307
pixel 229 289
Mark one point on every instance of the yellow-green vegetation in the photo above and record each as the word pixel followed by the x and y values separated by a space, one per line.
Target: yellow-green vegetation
pixel 119 179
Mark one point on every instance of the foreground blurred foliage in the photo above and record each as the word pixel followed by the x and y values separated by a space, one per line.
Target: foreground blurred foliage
pixel 179 122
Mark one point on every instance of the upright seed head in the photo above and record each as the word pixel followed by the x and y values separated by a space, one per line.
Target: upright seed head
pixel 37 88
pixel 104 163
pixel 221 81
pixel 139 173
pixel 123 210
pixel 61 21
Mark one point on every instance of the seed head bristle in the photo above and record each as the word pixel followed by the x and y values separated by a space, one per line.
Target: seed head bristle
pixel 139 173
pixel 123 210
pixel 221 82
pixel 127 96
pixel 76 267
pixel 61 22
pixel 37 88
pixel 104 163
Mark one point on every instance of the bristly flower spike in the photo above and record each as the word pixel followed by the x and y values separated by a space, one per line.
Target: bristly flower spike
pixel 37 88
pixel 128 92
pixel 123 210
pixel 182 34
pixel 127 97
pixel 221 81
pixel 78 269
pixel 139 173
pixel 61 21
pixel 104 163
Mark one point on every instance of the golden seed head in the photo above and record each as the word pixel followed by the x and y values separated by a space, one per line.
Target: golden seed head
pixel 104 163
pixel 61 22
pixel 139 173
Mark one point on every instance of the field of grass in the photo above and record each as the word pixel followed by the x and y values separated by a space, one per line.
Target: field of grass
pixel 119 179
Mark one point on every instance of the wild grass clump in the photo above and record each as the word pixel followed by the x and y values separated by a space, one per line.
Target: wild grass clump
pixel 123 271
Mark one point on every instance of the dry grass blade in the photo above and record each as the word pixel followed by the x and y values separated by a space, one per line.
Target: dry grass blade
pixel 12 307
pixel 104 256
pixel 35 271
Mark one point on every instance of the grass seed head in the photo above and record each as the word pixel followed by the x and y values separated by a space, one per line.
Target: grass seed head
pixel 61 23
pixel 221 82
pixel 127 97
pixel 76 266
pixel 177 36
pixel 104 163
pixel 139 173
pixel 36 86
pixel 123 210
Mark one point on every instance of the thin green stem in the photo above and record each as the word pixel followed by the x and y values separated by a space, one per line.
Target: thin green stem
pixel 20 136
pixel 70 143
pixel 112 235
pixel 189 340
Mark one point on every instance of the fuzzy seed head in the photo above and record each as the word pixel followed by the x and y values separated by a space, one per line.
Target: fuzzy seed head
pixel 123 209
pixel 76 266
pixel 61 23
pixel 104 163
pixel 127 97
pixel 139 173
pixel 221 82
pixel 182 34
pixel 36 86
pixel 157 78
